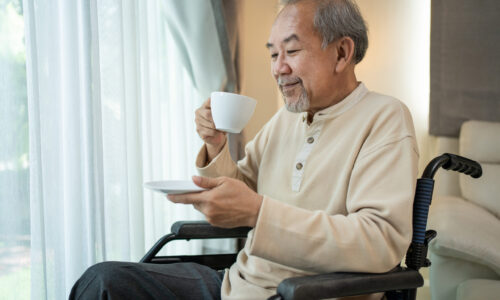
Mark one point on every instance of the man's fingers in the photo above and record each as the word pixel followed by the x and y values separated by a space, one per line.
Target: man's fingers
pixel 206 116
pixel 206 104
pixel 190 198
pixel 201 122
pixel 206 182
pixel 203 113
pixel 198 207
pixel 207 134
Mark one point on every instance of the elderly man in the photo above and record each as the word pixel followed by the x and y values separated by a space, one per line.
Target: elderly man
pixel 327 184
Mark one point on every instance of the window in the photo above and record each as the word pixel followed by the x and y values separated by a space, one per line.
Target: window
pixel 110 105
pixel 14 169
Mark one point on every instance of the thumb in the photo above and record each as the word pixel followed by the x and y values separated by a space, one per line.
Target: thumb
pixel 206 182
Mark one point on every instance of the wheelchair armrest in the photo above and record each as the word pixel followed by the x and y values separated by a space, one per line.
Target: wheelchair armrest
pixel 203 230
pixel 332 285
pixel 186 230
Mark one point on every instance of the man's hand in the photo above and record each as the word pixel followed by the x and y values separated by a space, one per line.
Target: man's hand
pixel 205 127
pixel 228 203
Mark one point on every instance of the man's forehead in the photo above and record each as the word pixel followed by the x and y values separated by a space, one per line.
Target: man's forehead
pixel 292 24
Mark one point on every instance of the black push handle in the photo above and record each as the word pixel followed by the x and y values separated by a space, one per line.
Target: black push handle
pixel 416 256
pixel 455 163
pixel 463 165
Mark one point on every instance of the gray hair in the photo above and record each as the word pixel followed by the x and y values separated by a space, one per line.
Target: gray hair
pixel 334 19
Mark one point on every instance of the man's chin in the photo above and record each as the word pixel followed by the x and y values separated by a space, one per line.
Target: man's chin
pixel 290 104
pixel 289 101
pixel 294 107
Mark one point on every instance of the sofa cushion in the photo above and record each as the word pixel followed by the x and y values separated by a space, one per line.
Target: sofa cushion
pixel 447 273
pixel 483 191
pixel 479 289
pixel 480 141
pixel 466 231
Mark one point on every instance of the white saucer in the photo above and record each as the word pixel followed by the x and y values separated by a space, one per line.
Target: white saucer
pixel 173 186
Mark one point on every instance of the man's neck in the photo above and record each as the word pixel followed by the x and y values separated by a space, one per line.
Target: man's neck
pixel 346 88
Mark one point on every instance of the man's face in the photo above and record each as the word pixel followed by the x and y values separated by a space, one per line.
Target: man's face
pixel 302 68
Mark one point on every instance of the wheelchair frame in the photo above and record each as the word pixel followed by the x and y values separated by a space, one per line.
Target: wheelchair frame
pixel 399 283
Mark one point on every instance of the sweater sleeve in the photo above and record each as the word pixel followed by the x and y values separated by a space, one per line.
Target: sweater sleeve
pixel 372 237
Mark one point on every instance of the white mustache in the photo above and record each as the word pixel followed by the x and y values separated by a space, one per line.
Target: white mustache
pixel 288 80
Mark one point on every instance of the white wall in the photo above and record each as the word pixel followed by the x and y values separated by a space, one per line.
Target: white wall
pixel 397 61
pixel 257 17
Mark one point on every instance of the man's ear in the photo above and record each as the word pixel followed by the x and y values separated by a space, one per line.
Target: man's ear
pixel 345 53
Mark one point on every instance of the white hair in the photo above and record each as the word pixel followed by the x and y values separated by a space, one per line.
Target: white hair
pixel 334 19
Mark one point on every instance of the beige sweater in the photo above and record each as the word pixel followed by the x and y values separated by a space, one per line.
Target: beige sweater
pixel 338 192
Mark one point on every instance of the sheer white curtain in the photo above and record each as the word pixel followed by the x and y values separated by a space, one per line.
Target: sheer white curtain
pixel 14 172
pixel 110 107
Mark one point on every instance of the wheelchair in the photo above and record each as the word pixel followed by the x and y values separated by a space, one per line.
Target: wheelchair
pixel 399 283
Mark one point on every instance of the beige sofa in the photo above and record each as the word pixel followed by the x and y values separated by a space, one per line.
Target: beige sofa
pixel 465 255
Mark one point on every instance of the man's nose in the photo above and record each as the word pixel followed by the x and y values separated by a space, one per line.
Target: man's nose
pixel 281 66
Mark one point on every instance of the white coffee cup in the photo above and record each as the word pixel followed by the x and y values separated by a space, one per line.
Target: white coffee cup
pixel 231 112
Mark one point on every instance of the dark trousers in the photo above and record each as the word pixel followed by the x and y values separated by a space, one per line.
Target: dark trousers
pixel 123 280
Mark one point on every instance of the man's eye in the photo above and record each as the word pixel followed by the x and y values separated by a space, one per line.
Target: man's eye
pixel 274 55
pixel 291 51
